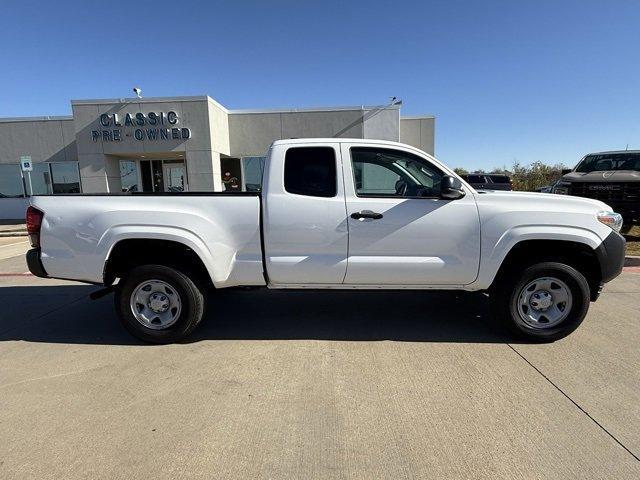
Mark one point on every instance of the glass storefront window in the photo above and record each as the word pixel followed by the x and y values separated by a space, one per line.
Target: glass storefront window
pixel 66 178
pixel 253 168
pixel 46 178
pixel 11 181
pixel 173 172
pixel 129 176
pixel 40 180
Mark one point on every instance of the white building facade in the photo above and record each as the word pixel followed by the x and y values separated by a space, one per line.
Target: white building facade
pixel 175 144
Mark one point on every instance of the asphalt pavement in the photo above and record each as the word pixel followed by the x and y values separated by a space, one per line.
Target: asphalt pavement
pixel 311 385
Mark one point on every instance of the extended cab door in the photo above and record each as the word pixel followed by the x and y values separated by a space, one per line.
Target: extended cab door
pixel 305 228
pixel 400 231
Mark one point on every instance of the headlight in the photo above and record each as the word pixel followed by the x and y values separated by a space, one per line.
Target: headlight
pixel 561 189
pixel 611 219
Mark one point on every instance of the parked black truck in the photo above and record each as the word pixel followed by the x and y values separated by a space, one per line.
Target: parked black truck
pixel 612 177
pixel 488 181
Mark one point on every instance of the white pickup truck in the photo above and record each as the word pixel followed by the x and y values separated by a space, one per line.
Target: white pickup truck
pixel 333 213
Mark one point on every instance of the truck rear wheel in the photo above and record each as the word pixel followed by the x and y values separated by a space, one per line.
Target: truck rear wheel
pixel 158 304
pixel 545 302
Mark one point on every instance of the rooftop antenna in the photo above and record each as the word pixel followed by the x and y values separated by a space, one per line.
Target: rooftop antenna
pixel 627 147
pixel 137 91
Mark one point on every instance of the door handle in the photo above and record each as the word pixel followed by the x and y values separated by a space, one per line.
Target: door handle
pixel 366 214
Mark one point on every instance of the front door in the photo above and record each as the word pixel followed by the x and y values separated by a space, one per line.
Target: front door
pixel 400 231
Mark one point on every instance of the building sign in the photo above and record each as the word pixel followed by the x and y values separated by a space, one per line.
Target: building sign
pixel 151 126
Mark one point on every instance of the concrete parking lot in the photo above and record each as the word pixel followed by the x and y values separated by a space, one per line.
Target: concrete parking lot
pixel 313 385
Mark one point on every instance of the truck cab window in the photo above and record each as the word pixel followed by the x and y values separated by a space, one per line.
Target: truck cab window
pixel 393 173
pixel 310 171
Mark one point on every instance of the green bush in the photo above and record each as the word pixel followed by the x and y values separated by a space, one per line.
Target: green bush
pixel 527 177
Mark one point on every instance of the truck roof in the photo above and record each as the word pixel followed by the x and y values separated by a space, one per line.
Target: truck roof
pixel 614 151
pixel 369 141
pixel 364 141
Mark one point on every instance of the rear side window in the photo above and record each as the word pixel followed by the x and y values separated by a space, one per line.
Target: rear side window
pixel 310 171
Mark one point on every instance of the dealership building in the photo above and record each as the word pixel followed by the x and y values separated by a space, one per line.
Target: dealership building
pixel 175 144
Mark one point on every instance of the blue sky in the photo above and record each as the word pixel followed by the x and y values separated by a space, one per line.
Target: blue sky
pixel 525 80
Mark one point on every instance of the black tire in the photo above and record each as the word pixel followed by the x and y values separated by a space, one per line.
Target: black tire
pixel 190 296
pixel 626 228
pixel 506 296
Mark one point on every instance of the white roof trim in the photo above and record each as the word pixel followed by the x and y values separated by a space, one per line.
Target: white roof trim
pixel 314 109
pixel 417 117
pixel 101 101
pixel 35 119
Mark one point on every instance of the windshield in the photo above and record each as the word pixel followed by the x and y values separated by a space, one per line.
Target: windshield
pixel 609 161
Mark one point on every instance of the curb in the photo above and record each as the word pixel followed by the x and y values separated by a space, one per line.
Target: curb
pixel 632 261
pixel 19 233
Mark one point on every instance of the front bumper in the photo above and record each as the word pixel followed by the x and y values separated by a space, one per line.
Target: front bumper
pixel 611 253
pixel 35 264
pixel 630 211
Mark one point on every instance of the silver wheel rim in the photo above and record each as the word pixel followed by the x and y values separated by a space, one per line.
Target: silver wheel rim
pixel 155 304
pixel 544 302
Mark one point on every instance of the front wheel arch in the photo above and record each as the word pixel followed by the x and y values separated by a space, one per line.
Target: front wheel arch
pixel 529 252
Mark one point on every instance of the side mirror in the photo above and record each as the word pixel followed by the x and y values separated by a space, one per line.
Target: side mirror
pixel 565 171
pixel 451 188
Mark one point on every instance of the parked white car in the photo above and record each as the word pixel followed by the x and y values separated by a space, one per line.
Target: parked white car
pixel 339 214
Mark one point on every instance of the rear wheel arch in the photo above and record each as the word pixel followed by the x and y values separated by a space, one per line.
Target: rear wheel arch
pixel 127 254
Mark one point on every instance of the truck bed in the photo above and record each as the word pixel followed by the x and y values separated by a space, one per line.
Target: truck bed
pixel 79 231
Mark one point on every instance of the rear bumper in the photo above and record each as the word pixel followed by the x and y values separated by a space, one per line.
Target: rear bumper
pixel 611 253
pixel 35 264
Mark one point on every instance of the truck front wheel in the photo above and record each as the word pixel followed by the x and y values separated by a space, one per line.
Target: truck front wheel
pixel 158 304
pixel 545 302
pixel 626 228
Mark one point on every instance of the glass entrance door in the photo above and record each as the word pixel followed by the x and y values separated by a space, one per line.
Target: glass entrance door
pixel 153 176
